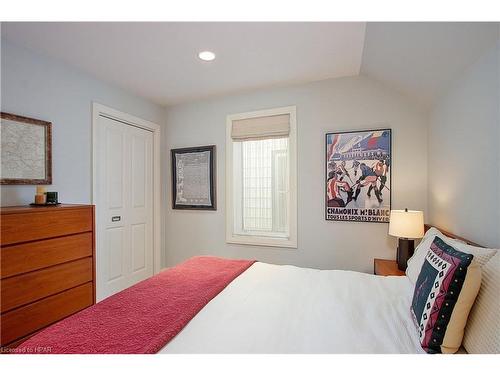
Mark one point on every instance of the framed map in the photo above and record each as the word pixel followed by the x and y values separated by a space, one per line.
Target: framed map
pixel 26 156
pixel 193 178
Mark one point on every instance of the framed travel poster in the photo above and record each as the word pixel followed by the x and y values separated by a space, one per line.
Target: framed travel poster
pixel 358 176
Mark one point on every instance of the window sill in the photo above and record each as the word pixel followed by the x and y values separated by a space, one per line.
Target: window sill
pixel 261 241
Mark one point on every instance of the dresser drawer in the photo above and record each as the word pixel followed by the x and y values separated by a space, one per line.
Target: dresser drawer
pixel 31 256
pixel 29 287
pixel 30 318
pixel 17 259
pixel 29 226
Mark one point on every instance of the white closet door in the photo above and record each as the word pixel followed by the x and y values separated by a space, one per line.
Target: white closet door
pixel 124 206
pixel 141 204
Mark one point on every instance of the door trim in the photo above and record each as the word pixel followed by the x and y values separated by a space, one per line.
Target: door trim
pixel 102 110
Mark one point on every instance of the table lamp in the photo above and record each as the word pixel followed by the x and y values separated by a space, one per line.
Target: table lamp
pixel 407 225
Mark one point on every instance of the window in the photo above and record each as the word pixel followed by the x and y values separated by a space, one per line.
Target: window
pixel 261 178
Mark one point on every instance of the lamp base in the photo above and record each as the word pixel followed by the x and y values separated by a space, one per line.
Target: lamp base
pixel 406 247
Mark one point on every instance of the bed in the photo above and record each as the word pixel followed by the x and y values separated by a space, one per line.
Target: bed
pixel 287 309
pixel 215 305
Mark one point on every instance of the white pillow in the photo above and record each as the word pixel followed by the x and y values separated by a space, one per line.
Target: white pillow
pixel 482 332
pixel 481 255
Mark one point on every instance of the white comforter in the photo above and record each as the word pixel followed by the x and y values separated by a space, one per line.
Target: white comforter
pixel 287 309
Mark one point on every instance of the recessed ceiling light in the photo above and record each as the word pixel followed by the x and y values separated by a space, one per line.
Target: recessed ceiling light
pixel 206 55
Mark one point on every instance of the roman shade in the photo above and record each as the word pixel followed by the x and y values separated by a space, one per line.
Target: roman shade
pixel 265 127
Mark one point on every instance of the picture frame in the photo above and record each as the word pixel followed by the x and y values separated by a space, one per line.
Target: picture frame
pixel 26 150
pixel 194 178
pixel 358 171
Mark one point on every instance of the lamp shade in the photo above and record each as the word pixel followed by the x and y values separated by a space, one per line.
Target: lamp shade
pixel 406 224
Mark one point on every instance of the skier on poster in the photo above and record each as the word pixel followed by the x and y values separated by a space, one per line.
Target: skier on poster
pixel 342 171
pixel 355 166
pixel 383 178
pixel 335 186
pixel 380 168
pixel 368 178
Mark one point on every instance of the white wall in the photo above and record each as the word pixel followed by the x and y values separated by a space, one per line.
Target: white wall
pixel 464 143
pixel 332 105
pixel 36 86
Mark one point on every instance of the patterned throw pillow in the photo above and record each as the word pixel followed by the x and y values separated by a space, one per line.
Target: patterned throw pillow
pixel 445 290
pixel 481 255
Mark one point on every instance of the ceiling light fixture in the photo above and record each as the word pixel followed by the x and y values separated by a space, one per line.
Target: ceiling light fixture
pixel 206 55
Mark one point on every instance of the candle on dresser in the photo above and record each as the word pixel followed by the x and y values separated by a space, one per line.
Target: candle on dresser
pixel 40 198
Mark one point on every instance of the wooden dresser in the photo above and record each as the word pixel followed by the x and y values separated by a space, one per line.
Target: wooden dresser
pixel 47 267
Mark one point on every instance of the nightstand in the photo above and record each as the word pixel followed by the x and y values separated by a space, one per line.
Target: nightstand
pixel 385 267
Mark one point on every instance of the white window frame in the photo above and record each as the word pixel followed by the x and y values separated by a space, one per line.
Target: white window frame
pixel 231 237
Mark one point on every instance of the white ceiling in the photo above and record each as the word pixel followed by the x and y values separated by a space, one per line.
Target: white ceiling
pixel 159 60
pixel 422 59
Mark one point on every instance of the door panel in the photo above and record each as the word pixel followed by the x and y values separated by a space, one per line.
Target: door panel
pixel 139 247
pixel 124 206
pixel 115 254
pixel 139 166
pixel 114 166
pixel 141 210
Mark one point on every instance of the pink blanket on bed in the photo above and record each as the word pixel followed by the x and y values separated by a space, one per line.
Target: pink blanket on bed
pixel 144 317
